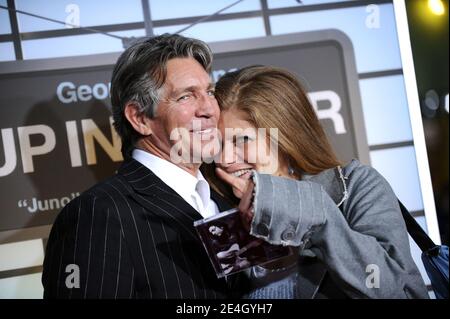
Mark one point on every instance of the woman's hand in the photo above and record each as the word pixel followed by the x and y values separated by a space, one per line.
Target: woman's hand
pixel 243 189
pixel 246 206
pixel 238 184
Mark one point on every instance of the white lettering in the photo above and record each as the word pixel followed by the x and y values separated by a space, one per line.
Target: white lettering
pixel 91 135
pixel 91 132
pixel 100 91
pixel 29 151
pixel 68 92
pixel 43 205
pixel 373 19
pixel 373 280
pixel 84 92
pixel 446 102
pixel 74 144
pixel 64 95
pixel 332 112
pixel 10 152
pixel 187 309
pixel 73 19
pixel 73 280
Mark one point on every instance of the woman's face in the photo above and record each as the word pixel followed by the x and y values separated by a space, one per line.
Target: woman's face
pixel 244 147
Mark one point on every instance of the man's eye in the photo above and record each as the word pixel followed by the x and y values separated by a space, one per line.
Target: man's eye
pixel 183 98
pixel 211 93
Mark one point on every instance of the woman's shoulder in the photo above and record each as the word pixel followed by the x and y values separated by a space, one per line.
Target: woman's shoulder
pixel 356 170
pixel 361 177
pixel 343 176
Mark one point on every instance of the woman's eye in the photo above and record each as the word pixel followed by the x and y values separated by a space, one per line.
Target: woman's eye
pixel 243 139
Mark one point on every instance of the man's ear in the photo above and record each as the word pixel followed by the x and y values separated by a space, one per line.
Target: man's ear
pixel 137 119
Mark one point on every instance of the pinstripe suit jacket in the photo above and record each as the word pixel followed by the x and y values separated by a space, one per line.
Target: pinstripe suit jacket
pixel 131 236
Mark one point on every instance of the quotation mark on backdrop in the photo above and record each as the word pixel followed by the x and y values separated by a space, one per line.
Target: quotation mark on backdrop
pixel 22 203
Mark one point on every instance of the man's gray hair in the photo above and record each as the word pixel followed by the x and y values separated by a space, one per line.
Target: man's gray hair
pixel 140 73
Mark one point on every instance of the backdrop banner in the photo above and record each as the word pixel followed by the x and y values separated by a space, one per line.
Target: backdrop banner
pixel 57 137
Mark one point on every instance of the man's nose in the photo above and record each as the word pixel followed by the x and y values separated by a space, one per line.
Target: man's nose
pixel 206 106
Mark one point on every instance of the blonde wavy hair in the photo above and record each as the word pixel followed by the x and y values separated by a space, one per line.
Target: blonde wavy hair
pixel 272 97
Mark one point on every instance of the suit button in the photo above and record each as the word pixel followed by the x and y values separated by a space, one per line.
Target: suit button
pixel 288 235
pixel 262 230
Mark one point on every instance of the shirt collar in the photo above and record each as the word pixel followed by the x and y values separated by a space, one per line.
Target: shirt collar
pixel 202 188
pixel 175 177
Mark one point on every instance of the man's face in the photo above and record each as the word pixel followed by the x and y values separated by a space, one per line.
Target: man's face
pixel 187 106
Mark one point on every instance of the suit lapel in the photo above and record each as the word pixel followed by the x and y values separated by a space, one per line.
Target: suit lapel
pixel 157 198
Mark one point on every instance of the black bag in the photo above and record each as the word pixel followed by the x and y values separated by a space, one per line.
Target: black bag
pixel 434 257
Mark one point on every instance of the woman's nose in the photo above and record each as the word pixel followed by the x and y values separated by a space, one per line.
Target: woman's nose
pixel 228 155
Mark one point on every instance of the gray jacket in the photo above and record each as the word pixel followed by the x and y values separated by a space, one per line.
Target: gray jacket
pixel 349 228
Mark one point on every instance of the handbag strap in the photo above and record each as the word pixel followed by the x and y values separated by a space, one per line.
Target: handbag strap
pixel 417 233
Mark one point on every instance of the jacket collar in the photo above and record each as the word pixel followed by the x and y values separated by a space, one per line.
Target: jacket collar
pixel 140 179
pixel 157 198
pixel 147 189
pixel 334 181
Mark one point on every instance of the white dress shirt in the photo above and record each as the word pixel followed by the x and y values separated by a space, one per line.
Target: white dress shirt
pixel 193 190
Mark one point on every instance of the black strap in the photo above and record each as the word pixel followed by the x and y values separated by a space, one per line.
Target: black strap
pixel 417 233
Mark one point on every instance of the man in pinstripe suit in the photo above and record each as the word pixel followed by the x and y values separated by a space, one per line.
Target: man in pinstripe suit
pixel 132 235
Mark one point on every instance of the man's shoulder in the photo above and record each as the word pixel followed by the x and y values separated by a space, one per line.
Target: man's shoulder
pixel 100 192
pixel 99 198
pixel 113 181
pixel 113 187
